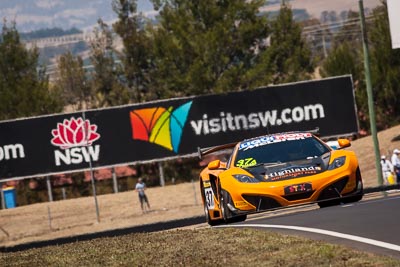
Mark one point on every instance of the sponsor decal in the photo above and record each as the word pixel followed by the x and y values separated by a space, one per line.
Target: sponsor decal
pixel 75 138
pixel 298 188
pixel 159 125
pixel 265 140
pixel 209 198
pixel 239 204
pixel 206 184
pixel 245 163
pixel 12 151
pixel 228 122
pixel 292 172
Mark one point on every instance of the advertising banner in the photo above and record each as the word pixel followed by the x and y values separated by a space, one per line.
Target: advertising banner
pixel 172 128
pixel 393 7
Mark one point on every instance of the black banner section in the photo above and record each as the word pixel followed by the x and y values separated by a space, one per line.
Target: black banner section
pixel 172 128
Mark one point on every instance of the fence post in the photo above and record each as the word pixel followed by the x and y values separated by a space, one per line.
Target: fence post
pixel 115 182
pixel 161 173
pixel 49 191
pixel 92 174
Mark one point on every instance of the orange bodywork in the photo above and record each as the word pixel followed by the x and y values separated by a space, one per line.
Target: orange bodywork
pixel 260 196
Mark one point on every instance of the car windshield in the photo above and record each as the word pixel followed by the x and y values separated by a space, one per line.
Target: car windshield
pixel 269 150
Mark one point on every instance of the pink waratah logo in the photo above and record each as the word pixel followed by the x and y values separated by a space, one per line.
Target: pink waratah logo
pixel 74 132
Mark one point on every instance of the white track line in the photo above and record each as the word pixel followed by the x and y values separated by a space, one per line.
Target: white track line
pixel 320 231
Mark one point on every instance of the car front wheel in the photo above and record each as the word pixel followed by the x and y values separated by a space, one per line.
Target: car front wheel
pixel 228 215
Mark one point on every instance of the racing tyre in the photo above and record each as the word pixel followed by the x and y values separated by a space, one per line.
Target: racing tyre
pixel 227 214
pixel 329 203
pixel 352 199
pixel 355 198
pixel 360 190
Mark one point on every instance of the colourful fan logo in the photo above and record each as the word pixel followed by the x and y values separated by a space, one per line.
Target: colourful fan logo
pixel 159 125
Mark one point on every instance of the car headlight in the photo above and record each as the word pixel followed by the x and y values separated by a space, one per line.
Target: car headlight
pixel 337 163
pixel 243 178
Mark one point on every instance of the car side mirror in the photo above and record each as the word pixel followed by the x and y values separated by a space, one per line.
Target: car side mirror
pixel 343 143
pixel 215 164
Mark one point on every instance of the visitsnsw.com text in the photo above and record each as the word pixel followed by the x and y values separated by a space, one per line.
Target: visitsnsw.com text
pixel 227 122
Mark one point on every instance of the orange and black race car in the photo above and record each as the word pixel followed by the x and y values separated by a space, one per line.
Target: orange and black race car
pixel 275 171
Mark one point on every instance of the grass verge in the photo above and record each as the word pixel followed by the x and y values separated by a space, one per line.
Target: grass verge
pixel 200 247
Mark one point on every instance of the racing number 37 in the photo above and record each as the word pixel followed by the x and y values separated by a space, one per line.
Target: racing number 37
pixel 209 195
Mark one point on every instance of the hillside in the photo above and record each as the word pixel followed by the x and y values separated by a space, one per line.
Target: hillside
pixel 78 216
pixel 315 8
pixel 364 149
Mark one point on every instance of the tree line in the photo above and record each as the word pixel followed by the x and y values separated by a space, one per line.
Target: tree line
pixel 48 32
pixel 346 56
pixel 194 48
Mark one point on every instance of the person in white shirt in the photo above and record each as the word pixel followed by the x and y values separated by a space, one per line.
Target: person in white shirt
pixel 387 169
pixel 396 164
pixel 140 187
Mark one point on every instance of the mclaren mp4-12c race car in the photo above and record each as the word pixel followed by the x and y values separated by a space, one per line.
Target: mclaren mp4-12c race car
pixel 275 171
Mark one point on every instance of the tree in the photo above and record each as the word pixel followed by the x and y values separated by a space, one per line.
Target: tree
pixel 346 58
pixel 317 36
pixel 342 60
pixel 72 82
pixel 24 87
pixel 385 70
pixel 350 32
pixel 288 54
pixel 206 46
pixel 328 17
pixel 136 54
pixel 105 83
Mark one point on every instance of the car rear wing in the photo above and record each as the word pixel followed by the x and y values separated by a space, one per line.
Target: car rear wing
pixel 205 151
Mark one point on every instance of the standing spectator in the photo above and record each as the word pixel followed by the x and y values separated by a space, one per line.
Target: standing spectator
pixel 387 169
pixel 396 164
pixel 140 187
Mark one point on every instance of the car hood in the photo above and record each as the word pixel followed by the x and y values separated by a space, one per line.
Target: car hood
pixel 271 172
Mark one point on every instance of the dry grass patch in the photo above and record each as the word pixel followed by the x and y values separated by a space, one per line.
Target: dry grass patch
pixel 205 247
pixel 78 216
pixel 364 149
